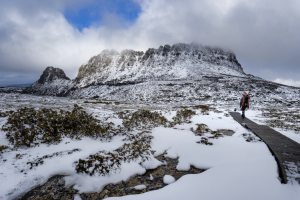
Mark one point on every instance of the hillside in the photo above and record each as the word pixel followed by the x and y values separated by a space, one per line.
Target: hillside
pixel 186 73
pixel 151 125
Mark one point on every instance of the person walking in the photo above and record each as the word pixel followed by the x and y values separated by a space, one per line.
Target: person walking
pixel 244 103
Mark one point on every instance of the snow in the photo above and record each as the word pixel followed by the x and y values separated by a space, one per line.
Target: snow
pixel 235 169
pixel 77 197
pixel 168 179
pixel 151 177
pixel 255 115
pixel 139 187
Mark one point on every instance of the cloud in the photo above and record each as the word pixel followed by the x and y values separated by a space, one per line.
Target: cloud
pixel 264 34
pixel 290 82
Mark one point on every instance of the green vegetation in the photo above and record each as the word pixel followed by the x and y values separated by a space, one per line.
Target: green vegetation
pixel 286 120
pixel 205 141
pixel 251 138
pixel 183 116
pixel 201 129
pixel 103 163
pixel 96 102
pixel 204 109
pixel 2 147
pixel 5 114
pixel 28 126
pixel 215 134
pixel 39 161
pixel 138 148
pixel 142 119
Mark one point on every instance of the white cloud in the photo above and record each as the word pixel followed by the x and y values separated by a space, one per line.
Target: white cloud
pixel 290 82
pixel 35 34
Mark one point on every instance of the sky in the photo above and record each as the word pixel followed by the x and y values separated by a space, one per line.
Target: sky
pixel 34 34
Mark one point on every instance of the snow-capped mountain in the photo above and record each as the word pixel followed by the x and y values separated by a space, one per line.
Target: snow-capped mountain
pixel 53 81
pixel 180 61
pixel 168 63
pixel 186 73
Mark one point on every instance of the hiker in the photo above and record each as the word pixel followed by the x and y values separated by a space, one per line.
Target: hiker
pixel 244 103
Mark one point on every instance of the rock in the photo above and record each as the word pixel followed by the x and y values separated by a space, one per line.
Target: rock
pixel 128 189
pixel 83 196
pixel 55 188
pixel 50 74
pixel 61 182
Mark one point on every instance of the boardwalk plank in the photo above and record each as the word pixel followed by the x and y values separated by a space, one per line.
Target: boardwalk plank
pixel 284 149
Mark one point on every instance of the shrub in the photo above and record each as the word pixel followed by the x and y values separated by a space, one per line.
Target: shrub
pixel 103 162
pixel 183 116
pixel 27 126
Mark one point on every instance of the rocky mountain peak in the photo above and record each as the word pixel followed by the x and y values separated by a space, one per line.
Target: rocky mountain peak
pixel 50 74
pixel 179 61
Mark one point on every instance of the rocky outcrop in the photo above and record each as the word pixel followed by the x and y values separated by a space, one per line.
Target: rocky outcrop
pixel 50 74
pixel 53 82
pixel 180 61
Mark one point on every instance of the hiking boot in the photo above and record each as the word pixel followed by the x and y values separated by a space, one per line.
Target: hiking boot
pixel 243 115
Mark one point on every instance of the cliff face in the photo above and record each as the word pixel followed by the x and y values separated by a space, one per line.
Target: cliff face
pixel 50 74
pixel 53 81
pixel 180 61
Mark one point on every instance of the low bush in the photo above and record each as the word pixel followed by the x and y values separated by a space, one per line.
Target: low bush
pixel 28 126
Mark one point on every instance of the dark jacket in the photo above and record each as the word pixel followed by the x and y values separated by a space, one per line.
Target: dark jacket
pixel 244 102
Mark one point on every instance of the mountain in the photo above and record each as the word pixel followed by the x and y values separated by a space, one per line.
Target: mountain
pixel 183 73
pixel 180 61
pixel 53 81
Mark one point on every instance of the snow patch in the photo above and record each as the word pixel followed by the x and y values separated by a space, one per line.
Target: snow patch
pixel 168 179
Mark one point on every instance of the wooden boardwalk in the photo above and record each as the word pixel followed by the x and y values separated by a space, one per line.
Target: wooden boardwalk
pixel 285 150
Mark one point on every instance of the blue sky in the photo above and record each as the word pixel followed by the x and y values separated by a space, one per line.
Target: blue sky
pixel 91 13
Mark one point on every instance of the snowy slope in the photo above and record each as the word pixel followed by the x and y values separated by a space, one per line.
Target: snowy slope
pixel 236 169
pixel 186 73
pixel 180 61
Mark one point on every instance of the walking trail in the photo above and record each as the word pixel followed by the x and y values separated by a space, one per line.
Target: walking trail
pixel 285 150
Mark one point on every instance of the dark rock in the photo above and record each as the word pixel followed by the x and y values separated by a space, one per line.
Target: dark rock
pixel 61 182
pixel 128 190
pixel 83 196
pixel 50 74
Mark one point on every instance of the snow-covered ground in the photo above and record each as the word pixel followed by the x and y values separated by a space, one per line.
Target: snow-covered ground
pixel 236 169
pixel 256 116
